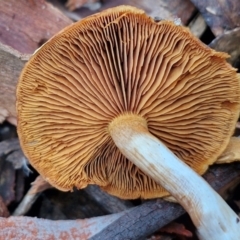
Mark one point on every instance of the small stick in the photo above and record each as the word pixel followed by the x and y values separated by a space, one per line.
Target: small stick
pixel 38 186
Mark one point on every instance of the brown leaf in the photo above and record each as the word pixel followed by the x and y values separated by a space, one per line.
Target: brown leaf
pixel 176 228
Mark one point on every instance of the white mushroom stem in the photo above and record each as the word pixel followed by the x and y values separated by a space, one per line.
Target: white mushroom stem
pixel 213 218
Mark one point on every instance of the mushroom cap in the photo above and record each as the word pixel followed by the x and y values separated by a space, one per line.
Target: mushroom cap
pixel 122 62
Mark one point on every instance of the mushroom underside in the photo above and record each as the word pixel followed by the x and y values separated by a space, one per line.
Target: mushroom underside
pixel 115 64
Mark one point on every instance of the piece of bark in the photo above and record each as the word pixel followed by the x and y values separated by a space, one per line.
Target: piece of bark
pixel 139 222
pixel 7 181
pixel 108 202
pixel 11 64
pixel 220 15
pixel 218 176
pixel 33 228
pixel 135 223
pixel 163 9
pixel 11 159
pixel 26 24
pixel 229 42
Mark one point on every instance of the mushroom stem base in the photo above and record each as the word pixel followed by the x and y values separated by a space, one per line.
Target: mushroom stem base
pixel 211 215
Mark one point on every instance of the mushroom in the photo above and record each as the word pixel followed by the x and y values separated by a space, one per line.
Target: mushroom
pixel 130 104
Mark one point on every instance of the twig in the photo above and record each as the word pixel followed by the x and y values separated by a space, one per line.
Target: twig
pixel 31 196
pixel 197 25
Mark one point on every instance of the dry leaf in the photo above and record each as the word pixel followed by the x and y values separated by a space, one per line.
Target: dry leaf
pixel 176 228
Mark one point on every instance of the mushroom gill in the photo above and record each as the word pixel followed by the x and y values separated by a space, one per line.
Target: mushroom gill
pixel 116 63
